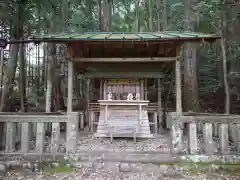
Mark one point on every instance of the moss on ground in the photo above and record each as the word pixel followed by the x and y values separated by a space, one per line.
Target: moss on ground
pixel 58 167
pixel 230 168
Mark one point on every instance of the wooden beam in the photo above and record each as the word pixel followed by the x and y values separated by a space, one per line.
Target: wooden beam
pixel 123 75
pixel 123 66
pixel 70 86
pixel 70 51
pixel 151 59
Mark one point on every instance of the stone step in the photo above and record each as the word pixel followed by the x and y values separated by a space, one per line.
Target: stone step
pixel 104 134
pixel 128 118
pixel 123 116
pixel 114 113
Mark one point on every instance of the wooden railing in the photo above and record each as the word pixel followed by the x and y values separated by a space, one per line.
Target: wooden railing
pixel 94 107
pixel 206 133
pixel 19 129
pixel 152 107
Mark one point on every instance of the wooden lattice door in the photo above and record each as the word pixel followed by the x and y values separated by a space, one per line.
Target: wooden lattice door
pixel 121 87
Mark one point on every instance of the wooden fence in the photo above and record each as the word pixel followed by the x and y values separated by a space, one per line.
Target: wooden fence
pixel 205 133
pixel 19 129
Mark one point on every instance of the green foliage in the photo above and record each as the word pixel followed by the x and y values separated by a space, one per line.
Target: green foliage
pixel 131 15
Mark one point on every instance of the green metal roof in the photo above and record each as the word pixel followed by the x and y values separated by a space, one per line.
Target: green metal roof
pixel 120 36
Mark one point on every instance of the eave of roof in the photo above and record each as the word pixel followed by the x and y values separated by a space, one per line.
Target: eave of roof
pixel 120 36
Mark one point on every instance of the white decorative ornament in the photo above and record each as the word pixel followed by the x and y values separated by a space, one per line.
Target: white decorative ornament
pixel 109 96
pixel 130 97
pixel 73 126
pixel 137 96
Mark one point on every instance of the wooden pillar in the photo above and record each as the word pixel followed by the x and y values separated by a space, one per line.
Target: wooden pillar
pixel 106 114
pixel 49 88
pixel 62 67
pixel 41 127
pixel 101 90
pixel 81 86
pixel 1 65
pixel 145 89
pixel 87 101
pixel 105 89
pixel 159 90
pixel 155 123
pixel 138 89
pixel 238 137
pixel 2 134
pixel 48 101
pixel 70 86
pixel 176 132
pixel 141 90
pixel 81 120
pixel 91 121
pixel 178 88
pixel 72 123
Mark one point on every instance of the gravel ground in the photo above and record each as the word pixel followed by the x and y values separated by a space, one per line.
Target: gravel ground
pixel 86 174
pixel 89 143
pixel 159 143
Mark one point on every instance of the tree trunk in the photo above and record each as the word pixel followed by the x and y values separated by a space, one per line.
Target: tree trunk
pixel 1 67
pixel 45 64
pixel 53 75
pixel 16 33
pixel 22 78
pixel 150 15
pixel 137 16
pixel 225 74
pixel 162 18
pixel 105 15
pixel 223 31
pixel 10 76
pixel 190 64
pixel 54 62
